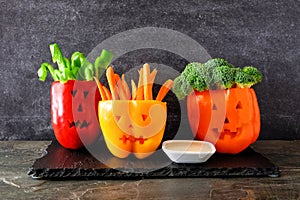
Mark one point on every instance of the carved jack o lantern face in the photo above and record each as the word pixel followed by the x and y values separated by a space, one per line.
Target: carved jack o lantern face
pixel 132 126
pixel 73 113
pixel 231 120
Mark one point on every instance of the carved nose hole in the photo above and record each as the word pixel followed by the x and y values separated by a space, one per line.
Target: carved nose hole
pixel 73 92
pixel 79 108
pixel 214 107
pixel 117 118
pixel 144 117
pixel 215 131
pixel 239 105
pixel 85 93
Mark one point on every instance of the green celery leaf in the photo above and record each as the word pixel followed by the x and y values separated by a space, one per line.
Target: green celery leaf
pixel 67 74
pixel 68 64
pixel 43 71
pixel 77 59
pixel 86 71
pixel 102 62
pixel 57 56
pixel 74 71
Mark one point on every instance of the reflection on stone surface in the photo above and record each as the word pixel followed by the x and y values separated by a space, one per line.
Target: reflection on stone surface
pixel 61 163
pixel 18 156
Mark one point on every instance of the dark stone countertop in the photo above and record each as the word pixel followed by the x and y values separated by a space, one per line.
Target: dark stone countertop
pixel 17 156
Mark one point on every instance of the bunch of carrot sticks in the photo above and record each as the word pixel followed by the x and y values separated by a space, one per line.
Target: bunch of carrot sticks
pixel 119 89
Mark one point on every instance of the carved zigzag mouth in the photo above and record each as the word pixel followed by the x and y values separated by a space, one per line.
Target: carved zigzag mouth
pixel 79 124
pixel 227 132
pixel 133 139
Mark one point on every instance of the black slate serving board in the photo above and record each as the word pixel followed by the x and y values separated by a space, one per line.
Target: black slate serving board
pixel 60 163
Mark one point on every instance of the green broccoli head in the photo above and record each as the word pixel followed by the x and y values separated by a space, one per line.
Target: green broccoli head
pixel 223 77
pixel 247 77
pixel 211 64
pixel 215 74
pixel 181 87
pixel 195 74
pixel 253 72
pixel 210 69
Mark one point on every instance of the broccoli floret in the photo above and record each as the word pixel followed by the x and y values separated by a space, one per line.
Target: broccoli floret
pixel 223 77
pixel 253 72
pixel 216 62
pixel 209 68
pixel 247 77
pixel 215 74
pixel 181 87
pixel 194 73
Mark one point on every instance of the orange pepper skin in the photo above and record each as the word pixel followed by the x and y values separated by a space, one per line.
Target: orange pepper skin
pixel 132 126
pixel 230 118
pixel 74 112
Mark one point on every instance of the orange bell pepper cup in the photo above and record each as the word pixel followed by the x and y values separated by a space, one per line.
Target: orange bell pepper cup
pixel 132 126
pixel 230 118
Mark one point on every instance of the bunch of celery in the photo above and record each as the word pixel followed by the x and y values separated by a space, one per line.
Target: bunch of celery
pixel 76 68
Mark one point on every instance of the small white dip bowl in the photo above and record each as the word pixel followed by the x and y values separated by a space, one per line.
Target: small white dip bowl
pixel 188 151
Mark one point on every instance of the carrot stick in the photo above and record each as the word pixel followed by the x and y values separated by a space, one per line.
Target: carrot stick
pixel 140 83
pixel 164 90
pixel 152 75
pixel 121 90
pixel 145 74
pixel 112 82
pixel 101 90
pixel 150 83
pixel 107 92
pixel 133 90
pixel 140 89
pixel 118 88
pixel 140 93
pixel 126 88
pixel 117 78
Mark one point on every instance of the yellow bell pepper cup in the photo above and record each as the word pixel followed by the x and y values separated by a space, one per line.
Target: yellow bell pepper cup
pixel 132 126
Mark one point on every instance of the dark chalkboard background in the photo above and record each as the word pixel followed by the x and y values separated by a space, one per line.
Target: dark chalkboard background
pixel 260 33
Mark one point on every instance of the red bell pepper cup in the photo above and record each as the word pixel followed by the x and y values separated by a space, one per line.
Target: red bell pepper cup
pixel 74 112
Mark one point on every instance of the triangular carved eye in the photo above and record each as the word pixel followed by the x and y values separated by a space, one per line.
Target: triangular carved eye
pixel 73 92
pixel 85 93
pixel 226 121
pixel 118 118
pixel 239 105
pixel 214 107
pixel 144 117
